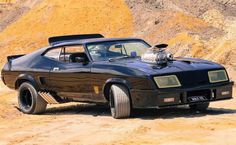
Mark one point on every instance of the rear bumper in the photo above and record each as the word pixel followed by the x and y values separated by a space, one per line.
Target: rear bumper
pixel 174 97
pixel 2 78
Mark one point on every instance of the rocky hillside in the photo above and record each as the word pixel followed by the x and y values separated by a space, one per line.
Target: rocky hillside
pixel 196 28
pixel 12 10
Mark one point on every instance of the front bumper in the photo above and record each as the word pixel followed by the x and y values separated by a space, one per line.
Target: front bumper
pixel 181 96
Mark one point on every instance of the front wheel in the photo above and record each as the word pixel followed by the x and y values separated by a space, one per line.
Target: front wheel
pixel 120 103
pixel 200 107
pixel 29 101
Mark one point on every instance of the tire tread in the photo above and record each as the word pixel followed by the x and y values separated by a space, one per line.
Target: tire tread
pixel 121 101
pixel 39 103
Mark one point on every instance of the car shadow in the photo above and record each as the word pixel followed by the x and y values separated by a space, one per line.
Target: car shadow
pixel 164 113
pixel 171 113
pixel 84 109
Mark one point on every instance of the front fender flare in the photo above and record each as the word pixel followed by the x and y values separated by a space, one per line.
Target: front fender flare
pixel 111 81
pixel 119 81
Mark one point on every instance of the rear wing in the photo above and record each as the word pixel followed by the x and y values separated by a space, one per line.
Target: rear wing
pixel 59 39
pixel 10 58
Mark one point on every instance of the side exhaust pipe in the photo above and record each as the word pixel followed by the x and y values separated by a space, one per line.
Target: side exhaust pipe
pixel 48 98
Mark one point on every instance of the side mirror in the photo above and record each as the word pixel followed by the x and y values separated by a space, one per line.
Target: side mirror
pixel 81 60
pixel 133 54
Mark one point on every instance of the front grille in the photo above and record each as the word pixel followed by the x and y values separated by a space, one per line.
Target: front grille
pixel 204 93
pixel 193 78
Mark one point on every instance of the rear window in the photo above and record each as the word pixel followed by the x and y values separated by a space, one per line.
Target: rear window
pixel 53 54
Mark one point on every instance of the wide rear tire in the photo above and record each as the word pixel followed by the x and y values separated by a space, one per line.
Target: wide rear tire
pixel 29 101
pixel 120 103
pixel 200 107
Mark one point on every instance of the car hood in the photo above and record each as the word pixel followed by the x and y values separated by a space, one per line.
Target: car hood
pixel 178 65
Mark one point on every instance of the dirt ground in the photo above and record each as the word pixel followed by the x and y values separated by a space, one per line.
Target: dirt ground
pixel 76 123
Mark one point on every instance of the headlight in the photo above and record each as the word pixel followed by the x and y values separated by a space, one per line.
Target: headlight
pixel 217 76
pixel 167 81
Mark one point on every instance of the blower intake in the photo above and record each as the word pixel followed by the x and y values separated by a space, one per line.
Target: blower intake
pixel 157 54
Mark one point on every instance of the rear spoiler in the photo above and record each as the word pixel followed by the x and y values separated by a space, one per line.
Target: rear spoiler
pixel 9 58
pixel 12 57
pixel 59 39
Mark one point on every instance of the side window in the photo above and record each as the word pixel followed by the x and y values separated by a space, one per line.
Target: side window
pixel 139 48
pixel 74 49
pixel 53 54
pixel 73 54
pixel 117 50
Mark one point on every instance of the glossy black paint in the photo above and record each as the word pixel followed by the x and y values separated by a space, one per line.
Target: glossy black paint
pixel 156 98
pixel 90 82
pixel 59 39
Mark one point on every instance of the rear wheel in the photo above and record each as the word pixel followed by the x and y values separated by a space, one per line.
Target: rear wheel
pixel 120 104
pixel 29 101
pixel 200 107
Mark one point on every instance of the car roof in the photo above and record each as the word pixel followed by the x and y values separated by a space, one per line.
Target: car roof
pixel 85 41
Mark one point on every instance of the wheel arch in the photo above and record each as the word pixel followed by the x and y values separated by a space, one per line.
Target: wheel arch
pixel 112 81
pixel 25 78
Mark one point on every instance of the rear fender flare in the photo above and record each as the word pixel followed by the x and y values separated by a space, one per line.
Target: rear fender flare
pixel 25 78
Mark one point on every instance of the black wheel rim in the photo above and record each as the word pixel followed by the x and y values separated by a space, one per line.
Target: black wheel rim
pixel 112 103
pixel 26 99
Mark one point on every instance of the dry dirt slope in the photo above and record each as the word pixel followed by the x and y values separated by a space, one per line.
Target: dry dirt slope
pixel 199 28
pixel 205 28
pixel 48 18
pixel 12 10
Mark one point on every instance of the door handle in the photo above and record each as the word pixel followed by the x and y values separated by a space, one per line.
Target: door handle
pixel 56 69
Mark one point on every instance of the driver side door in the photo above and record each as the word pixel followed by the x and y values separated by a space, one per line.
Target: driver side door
pixel 68 78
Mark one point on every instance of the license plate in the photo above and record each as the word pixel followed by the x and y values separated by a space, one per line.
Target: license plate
pixel 197 98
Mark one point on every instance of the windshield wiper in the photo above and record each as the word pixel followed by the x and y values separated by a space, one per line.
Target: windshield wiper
pixel 120 57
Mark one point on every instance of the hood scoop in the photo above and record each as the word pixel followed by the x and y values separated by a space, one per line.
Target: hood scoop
pixel 157 54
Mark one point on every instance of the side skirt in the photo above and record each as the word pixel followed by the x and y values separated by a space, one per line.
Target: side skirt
pixel 48 97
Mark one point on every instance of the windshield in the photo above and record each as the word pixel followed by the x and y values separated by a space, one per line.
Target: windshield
pixel 101 51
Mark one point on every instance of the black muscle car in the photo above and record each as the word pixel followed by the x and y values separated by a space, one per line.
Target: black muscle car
pixel 127 73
